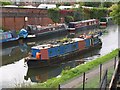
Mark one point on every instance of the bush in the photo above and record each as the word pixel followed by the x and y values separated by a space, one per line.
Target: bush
pixel 69 19
pixel 5 3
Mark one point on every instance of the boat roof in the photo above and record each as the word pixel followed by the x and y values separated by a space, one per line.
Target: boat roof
pixel 46 46
pixel 83 21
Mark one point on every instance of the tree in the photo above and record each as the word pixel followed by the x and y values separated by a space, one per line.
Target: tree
pixel 107 4
pixel 115 14
pixel 98 12
pixel 78 14
pixel 92 4
pixel 68 19
pixel 54 15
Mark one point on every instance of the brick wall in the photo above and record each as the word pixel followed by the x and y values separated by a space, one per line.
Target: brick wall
pixel 14 18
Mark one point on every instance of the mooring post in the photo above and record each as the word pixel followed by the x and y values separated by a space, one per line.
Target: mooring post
pixel 84 81
pixel 100 71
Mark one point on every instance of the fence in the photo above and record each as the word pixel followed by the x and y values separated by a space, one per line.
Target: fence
pixel 102 77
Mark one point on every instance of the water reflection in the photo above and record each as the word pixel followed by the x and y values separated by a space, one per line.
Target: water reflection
pixel 15 53
pixel 42 74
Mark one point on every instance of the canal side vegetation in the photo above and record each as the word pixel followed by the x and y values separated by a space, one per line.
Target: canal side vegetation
pixel 96 80
pixel 83 12
pixel 68 74
pixel 116 13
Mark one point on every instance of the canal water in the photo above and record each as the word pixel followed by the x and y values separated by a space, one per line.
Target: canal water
pixel 14 72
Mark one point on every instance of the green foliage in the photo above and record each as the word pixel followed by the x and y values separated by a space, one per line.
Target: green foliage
pixel 92 4
pixel 68 74
pixel 81 3
pixel 54 15
pixel 115 14
pixel 107 4
pixel 98 12
pixel 66 4
pixel 78 14
pixel 69 19
pixel 58 4
pixel 5 3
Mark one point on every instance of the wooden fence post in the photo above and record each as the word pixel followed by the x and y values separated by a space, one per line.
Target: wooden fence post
pixel 114 62
pixel 106 78
pixel 59 87
pixel 84 81
pixel 100 71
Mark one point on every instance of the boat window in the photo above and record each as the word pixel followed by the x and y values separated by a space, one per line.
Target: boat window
pixel 71 25
pixel 103 20
pixel 34 28
pixel 7 35
pixel 53 28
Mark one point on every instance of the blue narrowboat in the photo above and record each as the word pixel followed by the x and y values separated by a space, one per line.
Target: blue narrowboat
pixel 8 37
pixel 50 54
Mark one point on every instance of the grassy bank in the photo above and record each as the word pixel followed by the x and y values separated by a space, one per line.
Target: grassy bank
pixel 69 74
pixel 95 80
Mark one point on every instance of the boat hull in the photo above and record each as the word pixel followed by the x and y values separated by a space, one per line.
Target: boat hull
pixel 87 27
pixel 32 63
pixel 9 43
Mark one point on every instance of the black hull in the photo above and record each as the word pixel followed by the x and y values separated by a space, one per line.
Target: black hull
pixel 57 60
pixel 58 33
pixel 9 43
pixel 87 28
pixel 43 36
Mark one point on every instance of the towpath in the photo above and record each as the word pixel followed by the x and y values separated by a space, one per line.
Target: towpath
pixel 90 74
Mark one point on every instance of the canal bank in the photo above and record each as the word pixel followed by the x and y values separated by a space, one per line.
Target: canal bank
pixel 75 72
pixel 15 68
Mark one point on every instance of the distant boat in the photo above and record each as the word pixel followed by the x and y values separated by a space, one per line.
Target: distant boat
pixel 8 37
pixel 105 21
pixel 32 31
pixel 83 25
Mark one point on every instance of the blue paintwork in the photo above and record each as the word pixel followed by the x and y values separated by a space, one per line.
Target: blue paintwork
pixel 52 52
pixel 7 36
pixel 62 49
pixel 23 33
pixel 87 43
pixel 74 46
pixel 67 48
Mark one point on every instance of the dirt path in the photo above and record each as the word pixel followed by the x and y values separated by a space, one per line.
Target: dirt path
pixel 90 74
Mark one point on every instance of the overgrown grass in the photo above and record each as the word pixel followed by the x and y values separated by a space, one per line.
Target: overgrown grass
pixel 69 74
pixel 96 80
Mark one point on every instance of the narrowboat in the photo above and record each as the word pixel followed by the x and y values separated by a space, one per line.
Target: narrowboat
pixel 33 31
pixel 83 25
pixel 105 21
pixel 51 54
pixel 9 37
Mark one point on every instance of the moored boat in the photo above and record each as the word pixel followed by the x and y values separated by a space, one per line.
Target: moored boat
pixel 33 31
pixel 105 21
pixel 83 25
pixel 8 37
pixel 50 54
